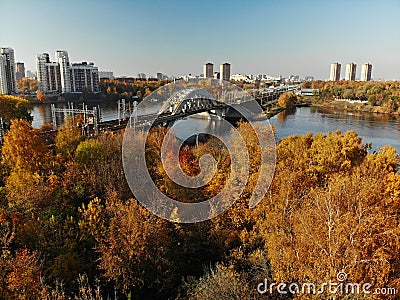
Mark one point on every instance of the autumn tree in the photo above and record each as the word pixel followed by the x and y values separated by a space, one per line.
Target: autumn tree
pixel 287 100
pixel 318 217
pixel 133 246
pixel 40 96
pixel 23 148
pixel 12 107
pixel 27 85
pixel 68 138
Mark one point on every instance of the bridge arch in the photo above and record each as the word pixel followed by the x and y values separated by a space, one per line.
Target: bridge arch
pixel 188 100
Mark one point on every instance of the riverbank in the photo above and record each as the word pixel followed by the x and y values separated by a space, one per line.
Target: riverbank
pixel 380 129
pixel 270 112
pixel 355 107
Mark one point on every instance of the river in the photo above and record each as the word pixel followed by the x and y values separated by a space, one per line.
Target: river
pixel 376 128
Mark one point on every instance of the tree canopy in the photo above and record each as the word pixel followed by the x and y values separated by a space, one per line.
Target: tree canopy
pixel 12 107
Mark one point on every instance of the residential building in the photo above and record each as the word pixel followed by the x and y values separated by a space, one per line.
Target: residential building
pixel 350 71
pixel 62 77
pixel 83 77
pixel 225 71
pixel 335 72
pixel 8 82
pixel 20 71
pixel 3 76
pixel 366 71
pixel 63 60
pixel 240 77
pixel 48 74
pixel 208 70
pixel 106 74
pixel 31 74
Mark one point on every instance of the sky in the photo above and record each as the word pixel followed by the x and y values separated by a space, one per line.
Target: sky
pixel 177 37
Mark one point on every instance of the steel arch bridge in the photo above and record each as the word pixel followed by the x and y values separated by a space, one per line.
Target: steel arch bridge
pixel 189 100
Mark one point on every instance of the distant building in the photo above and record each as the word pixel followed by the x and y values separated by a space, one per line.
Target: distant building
pixel 350 72
pixel 240 77
pixel 31 74
pixel 84 76
pixel 208 70
pixel 225 71
pixel 161 76
pixel 216 75
pixel 63 60
pixel 8 84
pixel 335 72
pixel 20 71
pixel 48 74
pixel 106 74
pixel 308 92
pixel 309 78
pixel 62 77
pixel 366 71
pixel 3 76
pixel 141 76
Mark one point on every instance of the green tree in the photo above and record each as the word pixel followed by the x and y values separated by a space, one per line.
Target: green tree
pixel 89 152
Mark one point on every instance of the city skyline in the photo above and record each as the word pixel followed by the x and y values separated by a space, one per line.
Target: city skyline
pixel 130 37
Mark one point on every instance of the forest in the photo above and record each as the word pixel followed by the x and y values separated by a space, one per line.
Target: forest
pixel 70 228
pixel 381 97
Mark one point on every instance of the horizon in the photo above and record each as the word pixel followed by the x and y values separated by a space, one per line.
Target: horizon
pixel 177 38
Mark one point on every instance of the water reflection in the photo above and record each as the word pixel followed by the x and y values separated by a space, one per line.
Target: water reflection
pixel 380 129
pixel 376 128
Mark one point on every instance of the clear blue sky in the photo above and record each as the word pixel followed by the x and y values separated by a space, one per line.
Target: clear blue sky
pixel 177 37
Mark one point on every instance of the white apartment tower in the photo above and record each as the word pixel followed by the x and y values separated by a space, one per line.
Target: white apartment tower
pixel 335 72
pixel 49 75
pixel 225 71
pixel 63 60
pixel 8 82
pixel 350 72
pixel 3 76
pixel 62 77
pixel 366 70
pixel 208 70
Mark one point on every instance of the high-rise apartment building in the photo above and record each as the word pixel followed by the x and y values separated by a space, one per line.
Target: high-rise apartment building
pixel 48 74
pixel 84 76
pixel 3 76
pixel 335 72
pixel 350 71
pixel 63 77
pixel 366 71
pixel 63 60
pixel 20 71
pixel 225 71
pixel 208 70
pixel 8 82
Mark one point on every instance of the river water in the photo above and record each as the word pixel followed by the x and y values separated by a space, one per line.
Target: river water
pixel 376 128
